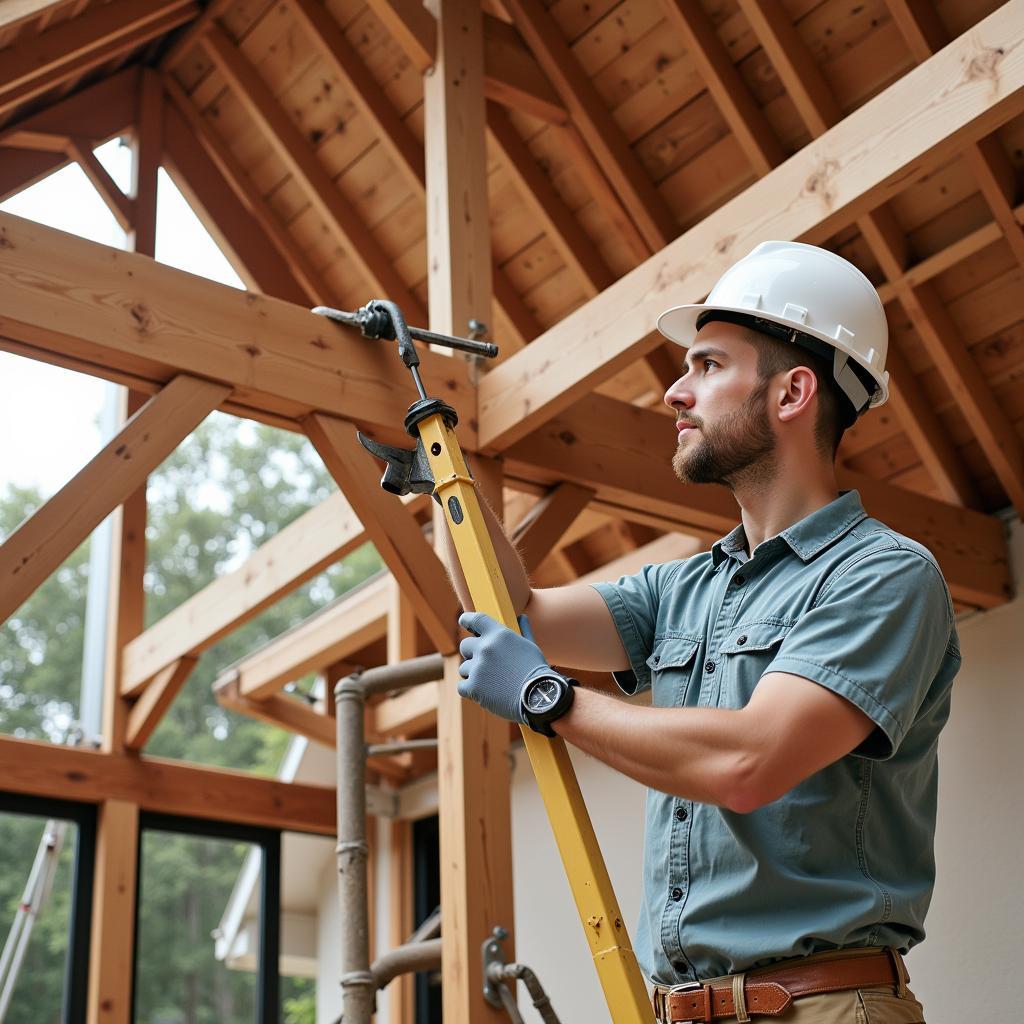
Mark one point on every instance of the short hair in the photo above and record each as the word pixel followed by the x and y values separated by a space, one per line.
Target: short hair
pixel 834 411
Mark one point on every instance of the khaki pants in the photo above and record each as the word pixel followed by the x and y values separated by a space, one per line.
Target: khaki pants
pixel 886 1004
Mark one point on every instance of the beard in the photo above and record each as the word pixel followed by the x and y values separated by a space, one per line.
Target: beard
pixel 738 448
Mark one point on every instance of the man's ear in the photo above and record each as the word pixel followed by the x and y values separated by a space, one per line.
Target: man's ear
pixel 796 393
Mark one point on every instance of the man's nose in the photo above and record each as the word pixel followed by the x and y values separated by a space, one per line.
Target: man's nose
pixel 679 395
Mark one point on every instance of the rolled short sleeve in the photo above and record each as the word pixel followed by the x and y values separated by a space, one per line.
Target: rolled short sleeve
pixel 880 634
pixel 634 602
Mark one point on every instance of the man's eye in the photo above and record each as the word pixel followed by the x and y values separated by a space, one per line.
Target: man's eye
pixel 707 363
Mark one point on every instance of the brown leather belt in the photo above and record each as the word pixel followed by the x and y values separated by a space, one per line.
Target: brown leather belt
pixel 770 992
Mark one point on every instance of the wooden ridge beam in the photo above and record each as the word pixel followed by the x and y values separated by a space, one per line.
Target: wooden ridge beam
pixel 39 545
pixel 624 452
pixel 292 148
pixel 162 786
pixel 148 710
pixel 737 106
pixel 335 633
pixel 512 76
pixel 79 45
pixel 156 322
pixel 651 213
pixel 307 546
pixel 925 117
pixel 238 232
pixel 390 526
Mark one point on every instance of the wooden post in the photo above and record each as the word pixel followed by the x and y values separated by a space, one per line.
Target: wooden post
pixel 113 916
pixel 473 772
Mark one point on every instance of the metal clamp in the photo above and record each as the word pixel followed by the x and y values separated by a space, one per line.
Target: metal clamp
pixel 492 954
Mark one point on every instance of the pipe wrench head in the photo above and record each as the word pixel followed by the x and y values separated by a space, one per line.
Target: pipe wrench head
pixel 408 470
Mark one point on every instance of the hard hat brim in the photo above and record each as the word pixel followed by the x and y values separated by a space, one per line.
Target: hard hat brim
pixel 679 324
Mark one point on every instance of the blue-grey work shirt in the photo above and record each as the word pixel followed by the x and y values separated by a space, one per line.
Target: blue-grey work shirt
pixel 845 858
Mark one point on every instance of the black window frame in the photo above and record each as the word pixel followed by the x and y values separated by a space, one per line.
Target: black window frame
pixel 268 981
pixel 84 815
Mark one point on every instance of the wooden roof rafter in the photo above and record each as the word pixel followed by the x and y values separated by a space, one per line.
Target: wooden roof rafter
pixel 1003 448
pixel 75 47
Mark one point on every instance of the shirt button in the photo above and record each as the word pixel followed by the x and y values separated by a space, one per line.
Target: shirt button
pixel 677 894
pixel 738 580
pixel 680 814
pixel 741 640
pixel 678 965
pixel 709 666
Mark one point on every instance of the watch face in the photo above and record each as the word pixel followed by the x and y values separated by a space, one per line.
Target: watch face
pixel 542 695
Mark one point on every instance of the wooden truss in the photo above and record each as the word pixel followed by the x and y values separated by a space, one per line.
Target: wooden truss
pixel 567 461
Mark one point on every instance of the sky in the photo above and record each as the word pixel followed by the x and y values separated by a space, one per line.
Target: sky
pixel 49 417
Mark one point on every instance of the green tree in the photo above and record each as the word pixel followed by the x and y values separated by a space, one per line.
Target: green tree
pixel 227 489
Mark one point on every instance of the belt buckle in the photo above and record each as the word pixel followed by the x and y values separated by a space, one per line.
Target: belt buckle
pixel 686 986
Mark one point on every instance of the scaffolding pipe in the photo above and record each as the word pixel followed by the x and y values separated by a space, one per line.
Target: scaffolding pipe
pixel 358 983
pixel 498 973
pixel 413 956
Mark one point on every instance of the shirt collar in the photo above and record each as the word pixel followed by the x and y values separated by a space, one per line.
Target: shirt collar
pixel 809 537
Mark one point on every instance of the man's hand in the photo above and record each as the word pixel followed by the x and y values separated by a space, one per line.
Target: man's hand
pixel 497 663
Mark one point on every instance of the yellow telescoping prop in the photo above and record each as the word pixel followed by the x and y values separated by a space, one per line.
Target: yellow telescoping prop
pixel 437 465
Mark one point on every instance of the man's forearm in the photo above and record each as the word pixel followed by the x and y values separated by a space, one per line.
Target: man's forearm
pixel 508 559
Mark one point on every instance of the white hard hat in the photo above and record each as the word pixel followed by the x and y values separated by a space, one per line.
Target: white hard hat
pixel 806 295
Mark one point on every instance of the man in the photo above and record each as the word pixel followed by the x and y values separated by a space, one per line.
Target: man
pixel 800 672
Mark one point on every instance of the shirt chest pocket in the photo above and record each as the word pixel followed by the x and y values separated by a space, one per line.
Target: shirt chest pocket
pixel 747 652
pixel 671 665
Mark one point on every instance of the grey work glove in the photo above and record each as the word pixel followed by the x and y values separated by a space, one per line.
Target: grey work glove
pixel 497 663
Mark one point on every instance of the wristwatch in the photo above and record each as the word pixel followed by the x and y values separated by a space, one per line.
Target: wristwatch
pixel 545 698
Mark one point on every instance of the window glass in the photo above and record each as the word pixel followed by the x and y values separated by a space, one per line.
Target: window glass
pixel 185 884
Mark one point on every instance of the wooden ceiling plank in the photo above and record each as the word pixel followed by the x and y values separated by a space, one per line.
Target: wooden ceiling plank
pixel 39 545
pixel 295 153
pixel 571 241
pixel 238 232
pixel 391 527
pixel 411 26
pixel 336 52
pixel 793 63
pixel 120 206
pixel 929 114
pixel 652 215
pixel 310 282
pixel 335 633
pixel 623 453
pixel 81 44
pixel 149 709
pixel 165 787
pixel 304 548
pixel 996 434
pixel 537 535
pixel 158 322
pixel 744 117
pixel 190 37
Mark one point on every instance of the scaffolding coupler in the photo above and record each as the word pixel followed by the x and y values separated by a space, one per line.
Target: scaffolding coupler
pixel 436 466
